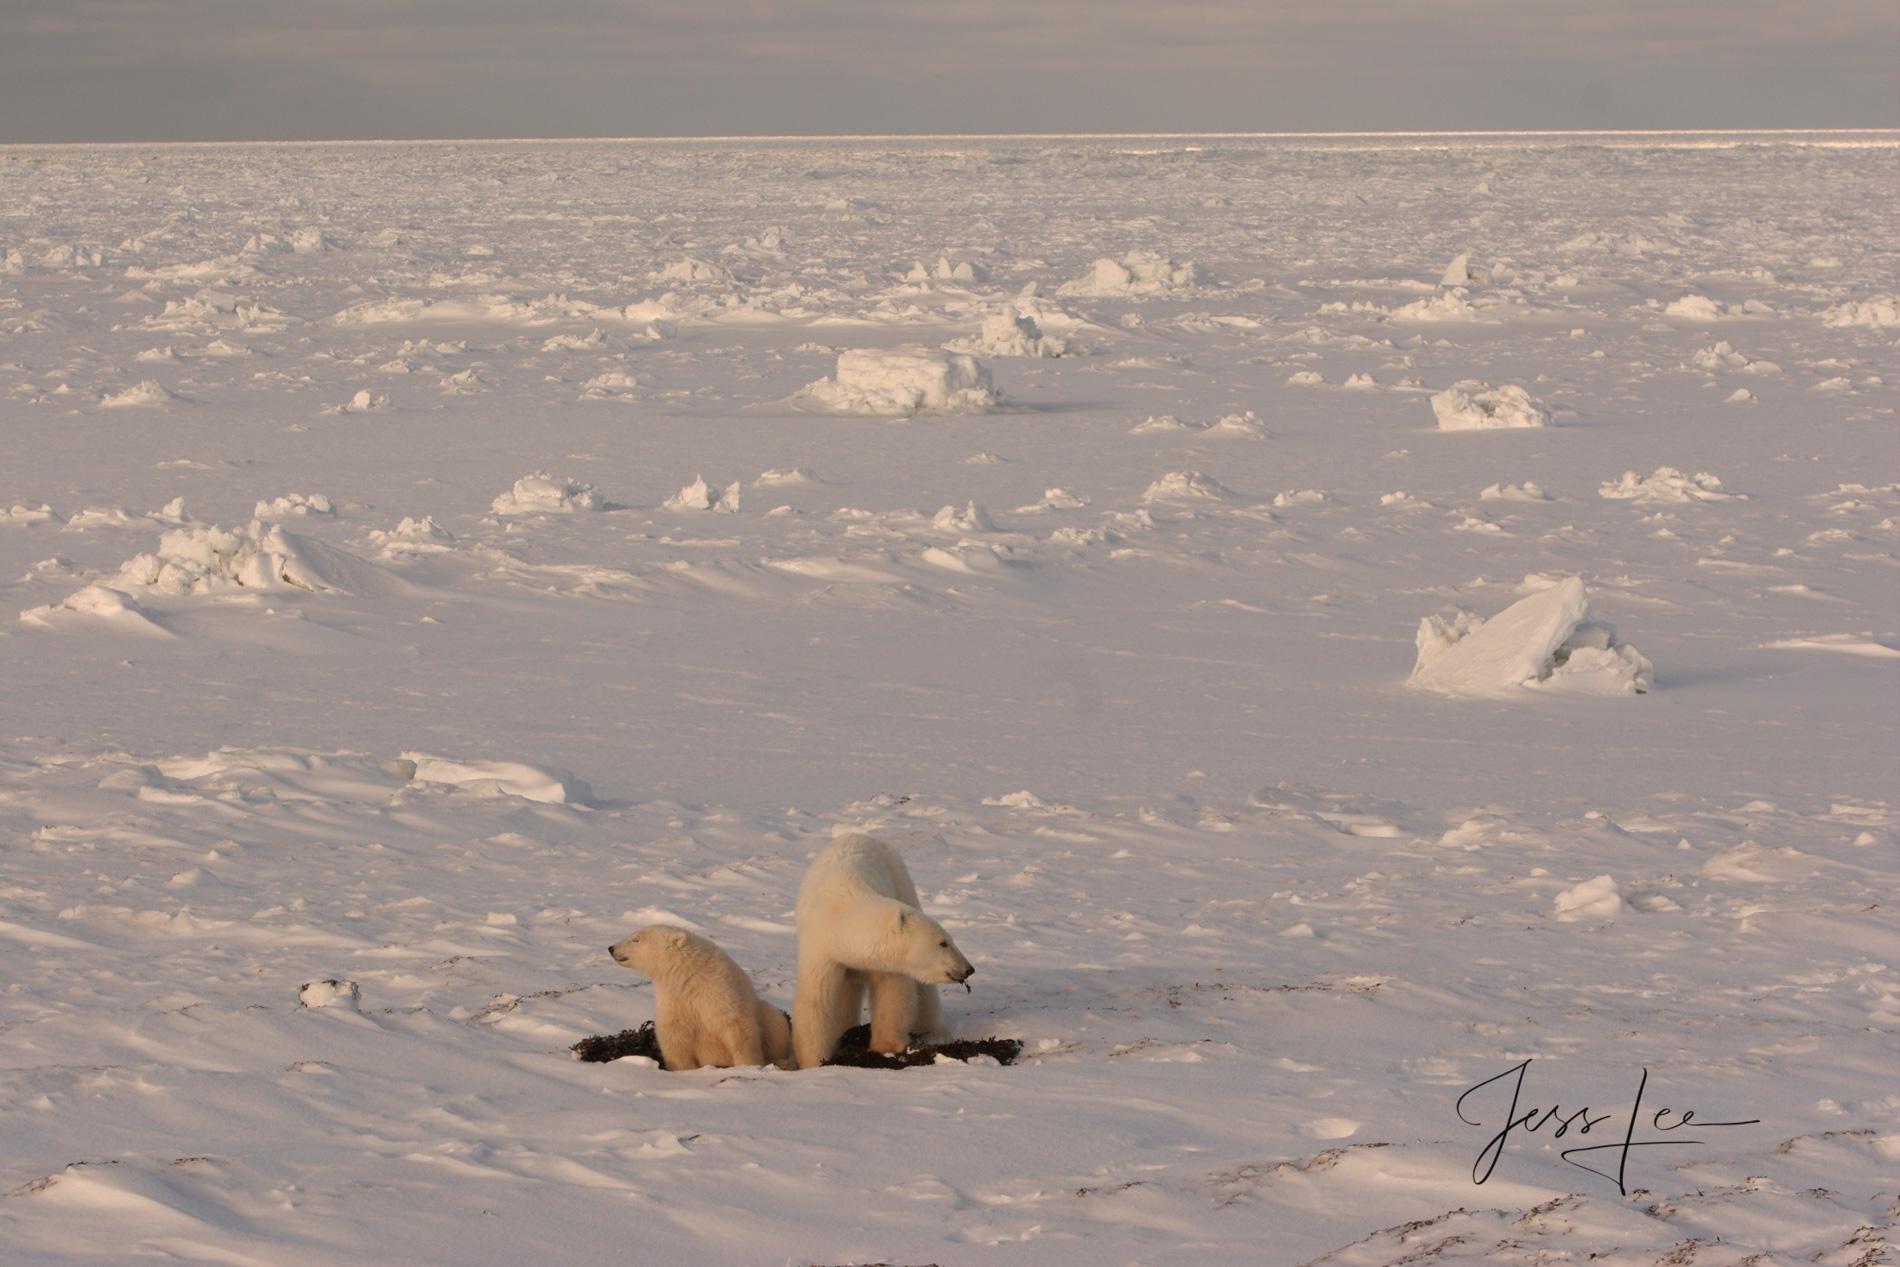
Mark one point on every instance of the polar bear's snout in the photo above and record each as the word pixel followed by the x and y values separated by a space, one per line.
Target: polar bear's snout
pixel 960 970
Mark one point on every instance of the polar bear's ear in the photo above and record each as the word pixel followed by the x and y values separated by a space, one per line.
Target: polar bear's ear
pixel 676 938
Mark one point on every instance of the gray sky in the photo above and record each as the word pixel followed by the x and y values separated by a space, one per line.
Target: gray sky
pixel 186 70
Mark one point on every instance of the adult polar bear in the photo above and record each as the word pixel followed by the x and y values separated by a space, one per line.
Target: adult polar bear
pixel 859 930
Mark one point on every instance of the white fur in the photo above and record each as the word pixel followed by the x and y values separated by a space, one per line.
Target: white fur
pixel 860 930
pixel 705 1011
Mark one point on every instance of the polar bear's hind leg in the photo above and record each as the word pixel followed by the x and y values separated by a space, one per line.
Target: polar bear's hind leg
pixel 818 1011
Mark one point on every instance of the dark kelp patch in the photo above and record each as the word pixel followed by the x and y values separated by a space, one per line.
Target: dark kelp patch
pixel 628 1042
pixel 854 1049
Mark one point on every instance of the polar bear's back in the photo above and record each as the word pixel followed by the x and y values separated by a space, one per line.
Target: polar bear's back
pixel 851 867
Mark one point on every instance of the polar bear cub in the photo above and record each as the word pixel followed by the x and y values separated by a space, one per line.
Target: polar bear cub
pixel 705 1011
pixel 860 930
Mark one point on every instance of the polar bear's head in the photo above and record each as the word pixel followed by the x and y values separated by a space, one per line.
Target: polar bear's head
pixel 650 948
pixel 925 950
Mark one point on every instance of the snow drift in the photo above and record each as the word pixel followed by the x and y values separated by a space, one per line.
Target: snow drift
pixel 93 604
pixel 1546 641
pixel 548 784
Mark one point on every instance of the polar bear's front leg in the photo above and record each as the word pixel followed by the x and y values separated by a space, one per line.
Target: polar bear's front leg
pixel 893 1010
pixel 929 1018
pixel 817 1012
pixel 679 1040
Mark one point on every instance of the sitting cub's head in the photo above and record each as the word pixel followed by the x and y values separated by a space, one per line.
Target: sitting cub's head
pixel 650 947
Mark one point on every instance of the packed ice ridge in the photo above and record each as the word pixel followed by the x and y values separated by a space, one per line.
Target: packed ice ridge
pixel 1546 641
pixel 901 382
pixel 207 559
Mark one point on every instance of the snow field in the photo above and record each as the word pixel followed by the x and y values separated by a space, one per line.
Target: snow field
pixel 319 809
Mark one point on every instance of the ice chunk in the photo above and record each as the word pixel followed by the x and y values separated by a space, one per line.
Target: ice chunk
pixel 972 518
pixel 542 494
pixel 145 392
pixel 1154 425
pixel 23 514
pixel 785 477
pixel 692 270
pixel 331 993
pixel 613 385
pixel 1010 332
pixel 1056 499
pixel 1697 308
pixel 1447 305
pixel 362 403
pixel 1546 641
pixel 900 382
pixel 1592 900
pixel 1243 424
pixel 1880 311
pixel 1473 406
pixel 1136 273
pixel 413 536
pixel 1528 491
pixel 699 495
pixel 1702 308
pixel 575 342
pixel 294 504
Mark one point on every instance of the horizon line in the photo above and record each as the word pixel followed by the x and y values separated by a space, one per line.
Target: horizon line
pixel 1884 132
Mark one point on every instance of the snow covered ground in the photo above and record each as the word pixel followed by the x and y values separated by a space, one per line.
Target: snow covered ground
pixel 424 564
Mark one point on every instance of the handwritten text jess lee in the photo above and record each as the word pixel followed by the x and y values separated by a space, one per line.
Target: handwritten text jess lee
pixel 1532 1120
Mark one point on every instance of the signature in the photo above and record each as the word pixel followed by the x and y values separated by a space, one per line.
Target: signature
pixel 1533 1119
